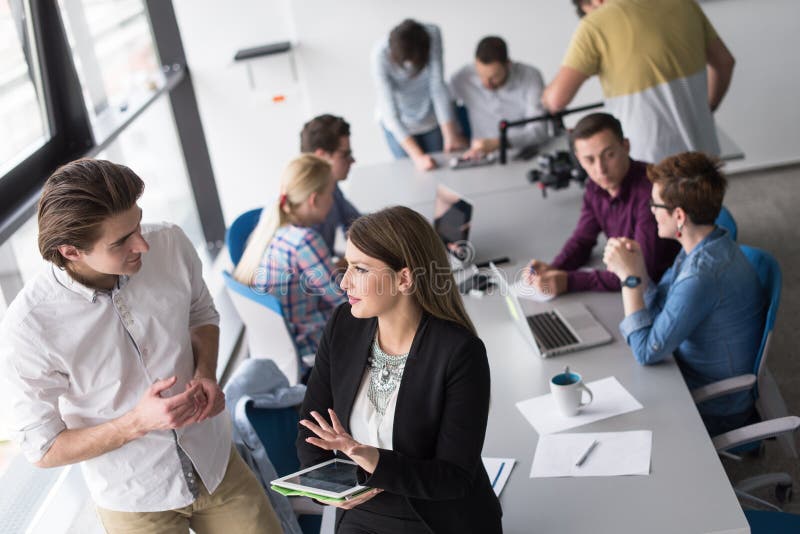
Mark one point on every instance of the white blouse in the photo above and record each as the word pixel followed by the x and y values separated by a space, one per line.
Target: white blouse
pixel 367 425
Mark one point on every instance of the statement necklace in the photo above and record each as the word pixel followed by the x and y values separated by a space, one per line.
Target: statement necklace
pixel 385 373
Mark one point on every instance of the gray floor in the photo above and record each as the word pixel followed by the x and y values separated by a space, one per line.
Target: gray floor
pixel 765 205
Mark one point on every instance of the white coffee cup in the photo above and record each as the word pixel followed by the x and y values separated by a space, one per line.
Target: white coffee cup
pixel 567 389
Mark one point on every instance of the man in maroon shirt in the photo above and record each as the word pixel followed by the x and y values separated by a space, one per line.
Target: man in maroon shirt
pixel 616 202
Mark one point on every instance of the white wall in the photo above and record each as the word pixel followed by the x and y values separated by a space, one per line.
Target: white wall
pixel 251 138
pixel 762 109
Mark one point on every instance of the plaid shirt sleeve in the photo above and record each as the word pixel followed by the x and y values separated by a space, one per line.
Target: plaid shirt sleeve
pixel 316 270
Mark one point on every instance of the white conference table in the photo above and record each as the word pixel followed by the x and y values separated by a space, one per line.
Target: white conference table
pixel 687 490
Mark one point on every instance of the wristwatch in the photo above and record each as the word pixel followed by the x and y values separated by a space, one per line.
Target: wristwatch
pixel 632 281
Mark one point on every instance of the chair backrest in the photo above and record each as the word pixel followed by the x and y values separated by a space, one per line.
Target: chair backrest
pixel 763 522
pixel 725 220
pixel 240 230
pixel 266 329
pixel 277 430
pixel 769 274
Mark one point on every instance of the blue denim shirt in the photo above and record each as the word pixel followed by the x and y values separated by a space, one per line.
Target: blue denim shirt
pixel 707 310
pixel 342 213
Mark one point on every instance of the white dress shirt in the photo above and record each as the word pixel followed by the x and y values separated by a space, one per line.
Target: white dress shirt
pixel 518 98
pixel 74 357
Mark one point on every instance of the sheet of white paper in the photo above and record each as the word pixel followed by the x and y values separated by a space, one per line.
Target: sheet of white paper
pixel 616 453
pixel 499 470
pixel 524 291
pixel 610 399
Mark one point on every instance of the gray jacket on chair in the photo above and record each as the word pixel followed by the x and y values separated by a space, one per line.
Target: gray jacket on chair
pixel 261 382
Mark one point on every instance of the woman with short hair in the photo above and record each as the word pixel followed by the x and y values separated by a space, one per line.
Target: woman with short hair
pixel 401 387
pixel 708 309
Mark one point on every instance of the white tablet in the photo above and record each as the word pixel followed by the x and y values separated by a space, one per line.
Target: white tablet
pixel 335 479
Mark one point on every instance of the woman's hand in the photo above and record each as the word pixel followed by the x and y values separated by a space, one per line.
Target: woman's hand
pixel 452 138
pixel 333 437
pixel 347 504
pixel 623 257
pixel 424 162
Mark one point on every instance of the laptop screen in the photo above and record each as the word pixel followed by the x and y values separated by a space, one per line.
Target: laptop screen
pixel 452 216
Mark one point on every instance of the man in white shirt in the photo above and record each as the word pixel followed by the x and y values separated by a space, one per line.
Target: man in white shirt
pixel 109 357
pixel 495 88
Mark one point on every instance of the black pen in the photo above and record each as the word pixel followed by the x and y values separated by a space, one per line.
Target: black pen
pixel 497 261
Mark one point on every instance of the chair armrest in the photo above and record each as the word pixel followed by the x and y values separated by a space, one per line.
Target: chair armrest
pixel 756 432
pixel 723 387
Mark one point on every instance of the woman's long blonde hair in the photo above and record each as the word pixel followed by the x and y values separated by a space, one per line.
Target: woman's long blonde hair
pixel 303 176
pixel 400 237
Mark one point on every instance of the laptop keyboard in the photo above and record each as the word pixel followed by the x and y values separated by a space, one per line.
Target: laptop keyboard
pixel 550 331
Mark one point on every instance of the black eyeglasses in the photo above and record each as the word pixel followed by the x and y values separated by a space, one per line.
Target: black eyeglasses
pixel 654 205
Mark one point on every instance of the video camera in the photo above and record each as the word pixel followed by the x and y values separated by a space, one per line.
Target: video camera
pixel 554 170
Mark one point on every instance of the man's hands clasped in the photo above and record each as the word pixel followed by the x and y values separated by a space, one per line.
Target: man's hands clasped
pixel 202 399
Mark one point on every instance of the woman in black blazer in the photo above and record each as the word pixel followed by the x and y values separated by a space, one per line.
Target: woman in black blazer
pixel 401 386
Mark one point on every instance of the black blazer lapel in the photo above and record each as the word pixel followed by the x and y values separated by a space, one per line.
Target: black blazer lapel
pixel 356 361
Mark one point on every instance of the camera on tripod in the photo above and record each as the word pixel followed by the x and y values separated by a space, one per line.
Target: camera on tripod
pixel 555 171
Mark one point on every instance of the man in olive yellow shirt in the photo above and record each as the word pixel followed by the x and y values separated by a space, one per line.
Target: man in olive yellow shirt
pixel 662 67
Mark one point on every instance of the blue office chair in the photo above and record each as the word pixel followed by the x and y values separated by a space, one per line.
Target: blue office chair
pixel 775 419
pixel 239 231
pixel 760 381
pixel 268 334
pixel 277 429
pixel 772 522
pixel 754 434
pixel 725 220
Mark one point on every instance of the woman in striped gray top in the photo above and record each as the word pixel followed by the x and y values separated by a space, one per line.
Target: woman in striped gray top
pixel 414 106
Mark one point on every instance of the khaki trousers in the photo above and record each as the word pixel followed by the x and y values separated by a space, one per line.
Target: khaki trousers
pixel 239 506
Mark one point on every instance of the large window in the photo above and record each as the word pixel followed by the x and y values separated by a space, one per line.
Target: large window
pixel 22 112
pixel 98 78
pixel 114 53
pixel 150 147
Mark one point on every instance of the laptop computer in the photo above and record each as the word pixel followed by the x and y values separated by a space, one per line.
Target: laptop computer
pixel 452 217
pixel 568 328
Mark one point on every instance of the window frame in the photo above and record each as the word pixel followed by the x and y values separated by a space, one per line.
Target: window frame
pixel 71 133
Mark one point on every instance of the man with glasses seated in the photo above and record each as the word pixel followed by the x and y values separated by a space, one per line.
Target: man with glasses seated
pixel 616 202
pixel 328 137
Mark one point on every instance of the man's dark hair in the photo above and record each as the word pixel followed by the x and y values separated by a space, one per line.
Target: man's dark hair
pixel 595 123
pixel 323 132
pixel 492 49
pixel 409 41
pixel 77 198
pixel 579 7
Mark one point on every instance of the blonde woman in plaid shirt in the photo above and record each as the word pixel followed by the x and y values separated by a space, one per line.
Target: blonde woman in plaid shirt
pixel 287 258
